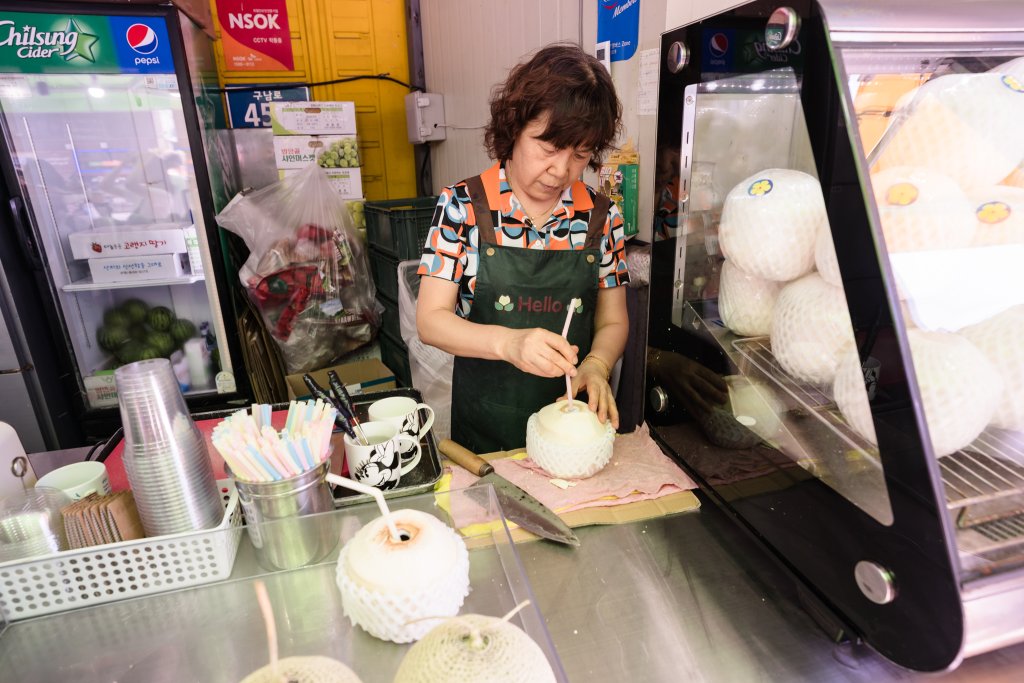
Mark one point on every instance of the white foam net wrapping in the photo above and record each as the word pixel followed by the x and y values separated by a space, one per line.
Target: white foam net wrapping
pixel 568 461
pixel 810 327
pixel 500 653
pixel 387 615
pixel 304 670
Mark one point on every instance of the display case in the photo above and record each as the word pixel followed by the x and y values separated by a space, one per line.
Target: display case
pixel 112 176
pixel 837 303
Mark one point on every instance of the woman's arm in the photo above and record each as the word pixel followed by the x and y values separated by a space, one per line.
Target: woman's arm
pixel 533 350
pixel 611 329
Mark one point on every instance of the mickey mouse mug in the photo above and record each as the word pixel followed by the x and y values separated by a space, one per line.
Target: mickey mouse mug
pixel 379 462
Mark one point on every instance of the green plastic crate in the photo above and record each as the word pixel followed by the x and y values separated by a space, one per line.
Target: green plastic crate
pixel 384 269
pixel 390 318
pixel 399 227
pixel 395 356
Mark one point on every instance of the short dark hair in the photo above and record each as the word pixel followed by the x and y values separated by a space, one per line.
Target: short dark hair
pixel 572 87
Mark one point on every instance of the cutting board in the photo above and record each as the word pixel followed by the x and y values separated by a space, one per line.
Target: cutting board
pixel 682 501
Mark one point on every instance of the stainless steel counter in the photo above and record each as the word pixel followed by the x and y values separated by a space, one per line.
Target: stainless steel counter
pixel 688 597
pixel 693 598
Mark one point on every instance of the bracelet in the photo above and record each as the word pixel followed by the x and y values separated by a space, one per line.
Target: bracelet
pixel 600 361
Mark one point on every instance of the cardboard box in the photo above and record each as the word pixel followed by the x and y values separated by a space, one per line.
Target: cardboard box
pixel 347 181
pixel 313 118
pixel 360 377
pixel 297 151
pixel 100 390
pixel 163 238
pixel 138 268
pixel 195 256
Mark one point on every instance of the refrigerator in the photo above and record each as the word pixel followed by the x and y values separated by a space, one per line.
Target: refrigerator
pixel 837 305
pixel 112 172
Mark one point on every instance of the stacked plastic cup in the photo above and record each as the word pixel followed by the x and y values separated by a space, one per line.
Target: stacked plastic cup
pixel 165 455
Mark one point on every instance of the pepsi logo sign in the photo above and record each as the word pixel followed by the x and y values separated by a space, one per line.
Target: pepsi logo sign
pixel 142 39
pixel 718 46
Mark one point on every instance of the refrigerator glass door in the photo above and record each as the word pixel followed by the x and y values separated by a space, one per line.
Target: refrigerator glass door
pixel 93 118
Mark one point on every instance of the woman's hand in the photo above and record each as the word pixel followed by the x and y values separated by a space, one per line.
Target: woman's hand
pixel 539 352
pixel 590 377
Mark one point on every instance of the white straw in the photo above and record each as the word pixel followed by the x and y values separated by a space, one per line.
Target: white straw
pixel 565 335
pixel 268 620
pixel 377 496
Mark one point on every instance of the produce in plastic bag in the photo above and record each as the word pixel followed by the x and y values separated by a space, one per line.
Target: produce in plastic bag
pixel 307 271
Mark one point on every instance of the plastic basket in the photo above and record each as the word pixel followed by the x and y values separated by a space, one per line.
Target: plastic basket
pixel 91 576
pixel 399 227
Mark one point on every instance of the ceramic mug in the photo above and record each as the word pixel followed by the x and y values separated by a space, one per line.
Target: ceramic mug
pixel 379 462
pixel 79 480
pixel 404 413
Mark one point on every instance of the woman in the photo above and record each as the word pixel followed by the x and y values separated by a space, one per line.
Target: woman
pixel 510 248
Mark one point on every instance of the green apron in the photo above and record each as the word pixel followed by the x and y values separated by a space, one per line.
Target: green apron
pixel 521 288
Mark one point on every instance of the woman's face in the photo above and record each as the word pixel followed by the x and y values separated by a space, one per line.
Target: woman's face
pixel 539 172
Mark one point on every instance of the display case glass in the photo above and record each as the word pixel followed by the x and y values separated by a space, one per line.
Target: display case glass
pixel 837 300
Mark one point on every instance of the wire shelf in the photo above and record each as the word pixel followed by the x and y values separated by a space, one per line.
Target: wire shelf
pixel 984 481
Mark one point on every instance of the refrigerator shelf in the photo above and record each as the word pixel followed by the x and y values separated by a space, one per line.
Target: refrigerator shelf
pixel 87 285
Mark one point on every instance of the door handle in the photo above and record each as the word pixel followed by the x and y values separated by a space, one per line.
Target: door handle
pixel 26 240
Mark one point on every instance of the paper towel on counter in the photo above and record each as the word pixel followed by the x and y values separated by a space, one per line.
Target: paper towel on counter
pixel 638 471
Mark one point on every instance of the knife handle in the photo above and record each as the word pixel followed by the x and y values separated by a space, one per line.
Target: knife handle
pixel 465 458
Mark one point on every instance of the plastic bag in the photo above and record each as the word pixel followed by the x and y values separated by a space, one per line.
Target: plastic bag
pixel 430 367
pixel 307 271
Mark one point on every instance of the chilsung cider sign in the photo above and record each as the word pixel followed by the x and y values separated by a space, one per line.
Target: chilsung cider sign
pixel 83 43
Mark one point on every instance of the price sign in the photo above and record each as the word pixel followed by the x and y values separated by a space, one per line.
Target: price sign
pixel 249 108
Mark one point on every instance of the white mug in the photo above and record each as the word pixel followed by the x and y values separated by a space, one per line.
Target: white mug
pixel 404 413
pixel 78 480
pixel 379 462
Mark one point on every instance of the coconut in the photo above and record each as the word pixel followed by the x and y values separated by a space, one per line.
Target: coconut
pixel 999 338
pixel 825 257
pixel 960 388
pixel 770 221
pixel 568 441
pixel 966 126
pixel 475 648
pixel 755 406
pixel 852 396
pixel 746 301
pixel 999 210
pixel 922 209
pixel 810 328
pixel 304 670
pixel 379 592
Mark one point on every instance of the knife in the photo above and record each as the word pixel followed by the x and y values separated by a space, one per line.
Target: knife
pixel 518 505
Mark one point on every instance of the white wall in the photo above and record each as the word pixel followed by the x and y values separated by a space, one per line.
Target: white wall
pixel 469 46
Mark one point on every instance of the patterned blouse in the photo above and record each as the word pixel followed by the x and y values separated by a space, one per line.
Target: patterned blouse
pixel 452 249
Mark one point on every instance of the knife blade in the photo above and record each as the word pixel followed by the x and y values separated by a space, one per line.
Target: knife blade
pixel 518 505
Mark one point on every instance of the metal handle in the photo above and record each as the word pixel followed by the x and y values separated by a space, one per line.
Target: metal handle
pixel 25 238
pixel 465 458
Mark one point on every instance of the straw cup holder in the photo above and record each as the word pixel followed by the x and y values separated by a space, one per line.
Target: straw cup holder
pixel 274 512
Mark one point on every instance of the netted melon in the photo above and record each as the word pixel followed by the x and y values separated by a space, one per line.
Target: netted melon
pixel 475 648
pixel 304 670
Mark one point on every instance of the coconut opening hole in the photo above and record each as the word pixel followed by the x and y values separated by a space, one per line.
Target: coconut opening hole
pixel 476 640
pixel 403 536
